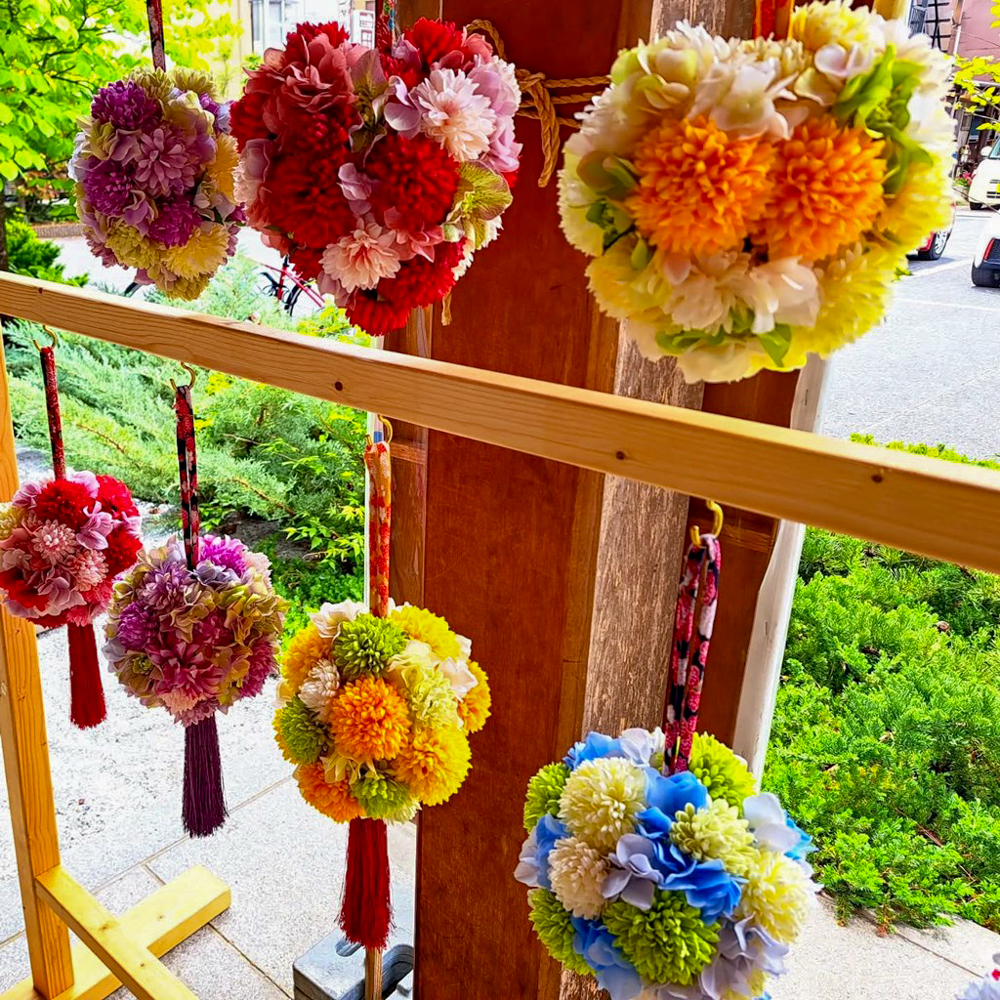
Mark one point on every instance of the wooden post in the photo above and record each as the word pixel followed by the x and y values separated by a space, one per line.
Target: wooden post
pixel 26 761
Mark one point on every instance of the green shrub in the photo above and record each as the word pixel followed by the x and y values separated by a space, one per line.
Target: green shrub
pixel 886 741
pixel 27 254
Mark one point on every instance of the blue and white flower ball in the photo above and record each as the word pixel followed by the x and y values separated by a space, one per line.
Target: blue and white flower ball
pixel 664 887
pixel 987 988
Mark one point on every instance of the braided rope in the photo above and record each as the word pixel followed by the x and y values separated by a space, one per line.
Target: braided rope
pixel 538 102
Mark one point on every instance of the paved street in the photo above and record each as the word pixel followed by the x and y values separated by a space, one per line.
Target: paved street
pixel 929 374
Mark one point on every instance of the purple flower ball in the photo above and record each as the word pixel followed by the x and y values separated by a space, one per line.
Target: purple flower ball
pixel 108 185
pixel 125 105
pixel 166 161
pixel 175 223
pixel 224 551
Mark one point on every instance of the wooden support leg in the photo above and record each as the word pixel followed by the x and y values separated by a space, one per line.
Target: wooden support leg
pixel 26 762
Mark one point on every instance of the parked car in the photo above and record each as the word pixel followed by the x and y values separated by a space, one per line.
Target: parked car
pixel 934 245
pixel 984 188
pixel 986 262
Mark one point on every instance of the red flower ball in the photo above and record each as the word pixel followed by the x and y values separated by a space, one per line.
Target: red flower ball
pixel 246 117
pixel 421 282
pixel 115 497
pixel 409 74
pixel 307 261
pixel 122 549
pixel 417 178
pixel 435 40
pixel 375 316
pixel 63 501
pixel 307 202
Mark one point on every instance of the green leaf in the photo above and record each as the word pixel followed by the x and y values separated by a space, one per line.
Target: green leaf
pixel 482 194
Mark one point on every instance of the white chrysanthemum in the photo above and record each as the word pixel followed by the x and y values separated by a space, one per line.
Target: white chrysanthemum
pixel 577 873
pixel 319 687
pixel 777 895
pixel 575 200
pixel 601 799
pixel 330 617
pixel 362 258
pixel 731 361
pixel 454 113
pixel 716 832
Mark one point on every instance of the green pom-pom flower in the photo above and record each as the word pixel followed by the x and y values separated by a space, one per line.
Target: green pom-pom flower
pixel 554 927
pixel 432 699
pixel 668 943
pixel 365 645
pixel 544 790
pixel 382 798
pixel 304 738
pixel 721 771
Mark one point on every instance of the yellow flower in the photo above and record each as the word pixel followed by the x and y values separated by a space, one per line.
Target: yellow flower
pixel 621 290
pixel 433 764
pixel 922 206
pixel 203 254
pixel 132 248
pixel 474 708
pixel 222 170
pixel 776 895
pixel 819 24
pixel 425 626
pixel 195 80
pixel 305 649
pixel 575 199
pixel 600 800
pixel 333 800
pixel 369 720
pixel 699 189
pixel 715 832
pixel 827 190
pixel 179 288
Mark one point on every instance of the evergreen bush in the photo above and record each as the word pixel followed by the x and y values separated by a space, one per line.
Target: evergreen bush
pixel 36 258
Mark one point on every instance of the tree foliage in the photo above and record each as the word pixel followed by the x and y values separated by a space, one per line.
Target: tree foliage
pixel 979 68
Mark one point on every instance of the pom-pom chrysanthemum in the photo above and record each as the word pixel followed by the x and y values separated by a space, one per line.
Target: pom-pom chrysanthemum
pixel 720 185
pixel 372 712
pixel 651 885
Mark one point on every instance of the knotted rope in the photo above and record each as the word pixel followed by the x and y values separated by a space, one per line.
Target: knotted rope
pixel 539 102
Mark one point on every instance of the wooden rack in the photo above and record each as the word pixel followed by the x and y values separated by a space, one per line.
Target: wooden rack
pixel 920 504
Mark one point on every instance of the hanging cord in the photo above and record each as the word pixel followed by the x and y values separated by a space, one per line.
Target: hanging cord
pixel 693 623
pixel 538 101
pixel 47 356
pixel 385 25
pixel 188 466
pixel 154 14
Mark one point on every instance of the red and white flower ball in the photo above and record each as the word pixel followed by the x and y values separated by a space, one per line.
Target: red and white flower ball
pixel 379 174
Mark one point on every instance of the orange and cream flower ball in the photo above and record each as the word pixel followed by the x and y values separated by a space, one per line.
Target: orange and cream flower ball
pixel 375 713
pixel 742 200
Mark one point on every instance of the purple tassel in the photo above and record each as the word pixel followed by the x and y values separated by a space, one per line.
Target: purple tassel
pixel 204 801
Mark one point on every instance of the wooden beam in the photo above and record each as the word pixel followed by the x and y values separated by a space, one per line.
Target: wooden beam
pixel 26 761
pixel 133 964
pixel 159 923
pixel 908 501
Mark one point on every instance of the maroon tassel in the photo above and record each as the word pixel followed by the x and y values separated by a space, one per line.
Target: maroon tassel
pixel 366 912
pixel 204 802
pixel 86 692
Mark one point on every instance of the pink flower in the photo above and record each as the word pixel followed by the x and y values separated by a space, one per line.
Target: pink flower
pixel 454 113
pixel 413 244
pixel 53 541
pixel 90 569
pixel 94 533
pixel 362 258
pixel 254 162
pixel 357 187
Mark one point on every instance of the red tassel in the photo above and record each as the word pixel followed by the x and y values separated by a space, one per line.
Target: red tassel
pixel 86 692
pixel 366 912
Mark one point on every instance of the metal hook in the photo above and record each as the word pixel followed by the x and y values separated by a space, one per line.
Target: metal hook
pixel 191 373
pixel 717 521
pixel 51 335
pixel 387 431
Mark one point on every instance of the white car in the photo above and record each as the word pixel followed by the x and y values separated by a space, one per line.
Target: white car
pixel 986 262
pixel 984 188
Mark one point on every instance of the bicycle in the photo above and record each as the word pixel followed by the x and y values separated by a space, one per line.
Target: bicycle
pixel 287 287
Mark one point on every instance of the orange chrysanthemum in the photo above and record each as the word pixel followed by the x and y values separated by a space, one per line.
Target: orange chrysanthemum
pixel 333 800
pixel 700 190
pixel 304 649
pixel 474 708
pixel 369 720
pixel 433 764
pixel 827 190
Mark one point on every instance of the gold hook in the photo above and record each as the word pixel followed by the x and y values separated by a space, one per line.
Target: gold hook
pixel 717 521
pixel 193 375
pixel 387 425
pixel 51 335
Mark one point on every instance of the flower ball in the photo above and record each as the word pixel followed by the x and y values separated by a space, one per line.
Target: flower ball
pixel 379 174
pixel 155 174
pixel 62 543
pixel 687 886
pixel 376 712
pixel 195 641
pixel 748 203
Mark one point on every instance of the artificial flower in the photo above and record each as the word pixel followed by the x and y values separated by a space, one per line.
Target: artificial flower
pixel 576 874
pixel 777 894
pixel 600 800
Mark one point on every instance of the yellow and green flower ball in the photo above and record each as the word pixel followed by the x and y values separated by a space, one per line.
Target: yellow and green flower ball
pixel 685 885
pixel 375 713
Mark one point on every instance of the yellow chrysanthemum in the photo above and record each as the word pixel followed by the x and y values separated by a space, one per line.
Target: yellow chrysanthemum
pixel 222 170
pixel 699 188
pixel 819 24
pixel 204 252
pixel 132 248
pixel 717 832
pixel 425 626
pixel 433 764
pixel 922 206
pixel 305 649
pixel 474 708
pixel 827 190
pixel 600 800
pixel 333 800
pixel 369 720
pixel 180 288
pixel 622 291
pixel 195 81
pixel 776 896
